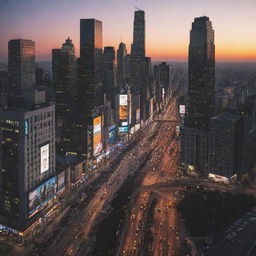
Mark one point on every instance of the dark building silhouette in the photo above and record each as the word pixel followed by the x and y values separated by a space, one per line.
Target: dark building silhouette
pixel 64 82
pixel 21 66
pixel 90 90
pixel 90 64
pixel 138 45
pixel 201 73
pixel 121 65
pixel 201 80
pixel 109 74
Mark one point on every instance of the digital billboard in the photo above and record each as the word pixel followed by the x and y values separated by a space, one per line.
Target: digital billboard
pixel 112 135
pixel 182 109
pixel 97 124
pixel 123 100
pixel 43 193
pixel 123 115
pixel 124 129
pixel 97 145
pixel 61 180
pixel 44 158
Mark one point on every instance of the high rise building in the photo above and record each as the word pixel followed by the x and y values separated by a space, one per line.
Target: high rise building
pixel 121 65
pixel 90 90
pixel 201 74
pixel 27 160
pixel 224 146
pixel 64 82
pixel 90 64
pixel 138 45
pixel 200 109
pixel 109 74
pixel 21 66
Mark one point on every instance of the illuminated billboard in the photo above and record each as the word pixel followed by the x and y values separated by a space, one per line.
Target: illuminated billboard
pixel 97 125
pixel 97 145
pixel 123 100
pixel 26 127
pixel 61 180
pixel 112 135
pixel 44 158
pixel 123 115
pixel 182 109
pixel 124 129
pixel 41 195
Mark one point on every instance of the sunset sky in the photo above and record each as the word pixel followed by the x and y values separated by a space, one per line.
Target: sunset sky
pixel 50 22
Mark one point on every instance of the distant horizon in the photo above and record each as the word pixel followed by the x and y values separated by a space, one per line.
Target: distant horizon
pixel 168 23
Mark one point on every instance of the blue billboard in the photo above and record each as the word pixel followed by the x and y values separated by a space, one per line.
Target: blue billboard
pixel 112 134
pixel 41 195
pixel 124 129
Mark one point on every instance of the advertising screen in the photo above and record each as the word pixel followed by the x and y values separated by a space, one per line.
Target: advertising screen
pixel 97 145
pixel 123 100
pixel 182 109
pixel 43 193
pixel 61 180
pixel 44 158
pixel 123 113
pixel 124 129
pixel 112 135
pixel 97 124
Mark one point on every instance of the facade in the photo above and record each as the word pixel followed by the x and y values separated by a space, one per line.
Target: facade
pixel 138 45
pixel 90 90
pixel 3 87
pixel 200 107
pixel 225 145
pixel 27 181
pixel 109 74
pixel 90 63
pixel 201 74
pixel 21 66
pixel 194 150
pixel 64 81
pixel 121 65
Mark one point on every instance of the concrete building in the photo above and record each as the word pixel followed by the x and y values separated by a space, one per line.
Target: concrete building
pixel 225 145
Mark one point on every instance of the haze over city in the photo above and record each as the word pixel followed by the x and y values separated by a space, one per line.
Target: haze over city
pixel 49 22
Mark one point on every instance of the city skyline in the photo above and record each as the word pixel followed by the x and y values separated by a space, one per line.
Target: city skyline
pixel 49 24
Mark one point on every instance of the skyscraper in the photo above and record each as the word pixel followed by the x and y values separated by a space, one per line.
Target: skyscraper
pixel 90 91
pixel 121 65
pixel 201 74
pixel 109 74
pixel 21 66
pixel 64 80
pixel 138 45
pixel 90 72
pixel 201 83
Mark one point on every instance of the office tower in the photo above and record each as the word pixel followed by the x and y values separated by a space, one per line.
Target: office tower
pixel 224 146
pixel 90 91
pixel 3 87
pixel 64 82
pixel 21 66
pixel 39 74
pixel 138 45
pixel 109 74
pixel 27 162
pixel 90 64
pixel 121 65
pixel 201 74
pixel 200 107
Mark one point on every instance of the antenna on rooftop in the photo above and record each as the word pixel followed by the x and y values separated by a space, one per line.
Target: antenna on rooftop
pixel 137 9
